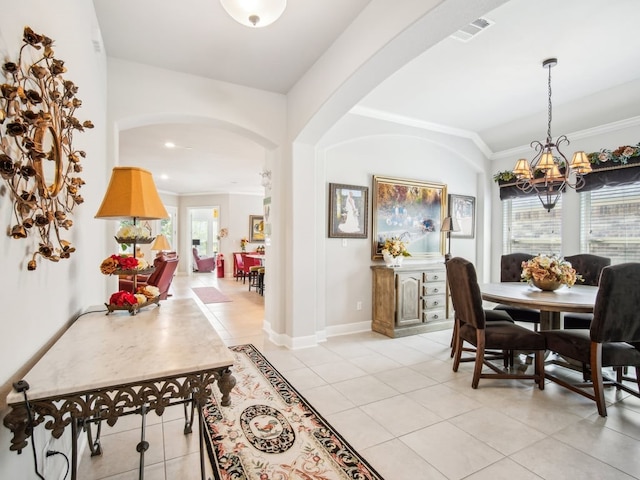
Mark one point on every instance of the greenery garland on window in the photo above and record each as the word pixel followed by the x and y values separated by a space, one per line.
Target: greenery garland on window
pixel 604 157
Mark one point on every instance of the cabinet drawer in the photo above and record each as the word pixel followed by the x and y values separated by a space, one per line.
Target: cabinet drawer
pixel 433 301
pixel 433 315
pixel 435 288
pixel 434 276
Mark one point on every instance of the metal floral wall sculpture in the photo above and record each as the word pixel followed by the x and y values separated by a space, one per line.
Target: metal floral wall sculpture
pixel 37 159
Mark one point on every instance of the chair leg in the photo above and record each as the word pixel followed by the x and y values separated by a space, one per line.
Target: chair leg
pixel 458 353
pixel 477 369
pixel 596 378
pixel 539 368
pixel 454 335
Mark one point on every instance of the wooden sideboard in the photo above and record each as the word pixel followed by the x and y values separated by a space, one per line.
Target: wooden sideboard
pixel 410 299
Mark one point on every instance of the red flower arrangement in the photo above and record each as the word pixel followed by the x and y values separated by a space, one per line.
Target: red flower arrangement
pixel 123 298
pixel 118 262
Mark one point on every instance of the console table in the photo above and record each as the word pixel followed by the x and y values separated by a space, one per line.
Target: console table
pixel 410 299
pixel 104 367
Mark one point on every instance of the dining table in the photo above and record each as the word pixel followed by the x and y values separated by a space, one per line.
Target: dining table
pixel 577 299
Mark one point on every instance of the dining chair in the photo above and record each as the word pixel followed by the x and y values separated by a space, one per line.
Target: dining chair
pixel 613 339
pixel 589 266
pixel 511 271
pixel 473 328
pixel 239 267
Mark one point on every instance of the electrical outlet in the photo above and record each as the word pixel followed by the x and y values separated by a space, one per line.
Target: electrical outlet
pixel 358 305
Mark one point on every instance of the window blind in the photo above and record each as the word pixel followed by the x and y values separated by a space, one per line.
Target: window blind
pixel 529 228
pixel 610 223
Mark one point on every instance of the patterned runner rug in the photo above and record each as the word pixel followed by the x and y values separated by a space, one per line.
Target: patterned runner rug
pixel 270 432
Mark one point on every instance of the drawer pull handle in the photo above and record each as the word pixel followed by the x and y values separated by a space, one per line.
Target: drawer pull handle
pixel 436 277
pixel 435 290
pixel 435 316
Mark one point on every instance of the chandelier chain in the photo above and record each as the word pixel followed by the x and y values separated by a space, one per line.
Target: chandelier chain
pixel 550 109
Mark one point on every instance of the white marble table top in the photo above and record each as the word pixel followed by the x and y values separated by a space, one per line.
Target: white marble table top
pixel 579 298
pixel 101 350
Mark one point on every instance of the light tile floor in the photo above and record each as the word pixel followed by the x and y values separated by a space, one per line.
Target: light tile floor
pixel 399 403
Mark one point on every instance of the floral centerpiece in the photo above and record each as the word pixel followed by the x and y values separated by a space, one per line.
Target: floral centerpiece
pixel 116 264
pixel 549 272
pixel 394 250
pixel 128 234
pixel 126 299
pixel 243 243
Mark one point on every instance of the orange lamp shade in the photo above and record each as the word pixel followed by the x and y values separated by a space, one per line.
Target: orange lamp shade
pixel 131 193
pixel 161 243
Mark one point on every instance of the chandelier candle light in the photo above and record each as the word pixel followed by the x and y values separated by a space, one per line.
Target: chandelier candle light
pixel 549 173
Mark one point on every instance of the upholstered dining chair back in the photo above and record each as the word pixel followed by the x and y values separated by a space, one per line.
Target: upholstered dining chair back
pixel 613 339
pixel 589 266
pixel 501 336
pixel 511 266
pixel 511 271
pixel 616 314
pixel 465 292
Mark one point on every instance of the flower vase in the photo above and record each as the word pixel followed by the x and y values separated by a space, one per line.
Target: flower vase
pixel 397 261
pixel 388 259
pixel 547 285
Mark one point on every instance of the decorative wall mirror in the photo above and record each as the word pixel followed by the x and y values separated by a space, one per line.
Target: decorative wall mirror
pixel 37 160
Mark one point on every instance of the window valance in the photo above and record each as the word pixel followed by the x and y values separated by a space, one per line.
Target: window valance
pixel 603 174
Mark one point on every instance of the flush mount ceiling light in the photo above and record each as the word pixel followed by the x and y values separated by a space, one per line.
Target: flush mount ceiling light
pixel 254 13
pixel 549 173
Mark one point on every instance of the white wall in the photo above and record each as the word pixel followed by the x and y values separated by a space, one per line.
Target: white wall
pixel 354 151
pixel 37 304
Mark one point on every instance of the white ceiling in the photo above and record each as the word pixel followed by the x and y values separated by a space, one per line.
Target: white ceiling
pixel 491 88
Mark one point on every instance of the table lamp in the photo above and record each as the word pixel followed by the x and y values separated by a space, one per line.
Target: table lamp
pixel 449 224
pixel 131 194
pixel 161 244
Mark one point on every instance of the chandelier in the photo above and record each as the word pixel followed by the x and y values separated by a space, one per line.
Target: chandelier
pixel 549 173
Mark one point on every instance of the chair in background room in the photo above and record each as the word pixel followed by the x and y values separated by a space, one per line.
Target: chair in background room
pixel 613 339
pixel 203 264
pixel 161 277
pixel 473 328
pixel 589 266
pixel 511 271
pixel 239 266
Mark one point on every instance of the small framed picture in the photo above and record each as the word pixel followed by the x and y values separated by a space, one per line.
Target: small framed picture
pixel 463 209
pixel 348 211
pixel 256 228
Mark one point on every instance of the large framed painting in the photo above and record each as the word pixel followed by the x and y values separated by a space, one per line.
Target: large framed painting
pixel 348 211
pixel 411 210
pixel 256 228
pixel 463 209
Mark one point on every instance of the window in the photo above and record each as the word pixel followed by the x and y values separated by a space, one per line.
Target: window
pixel 609 224
pixel 528 228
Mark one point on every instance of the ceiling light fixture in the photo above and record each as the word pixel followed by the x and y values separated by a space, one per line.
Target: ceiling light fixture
pixel 549 173
pixel 254 13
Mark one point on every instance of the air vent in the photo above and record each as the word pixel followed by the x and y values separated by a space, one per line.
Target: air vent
pixel 467 32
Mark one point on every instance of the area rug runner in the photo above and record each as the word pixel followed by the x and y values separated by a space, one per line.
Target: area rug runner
pixel 210 295
pixel 270 432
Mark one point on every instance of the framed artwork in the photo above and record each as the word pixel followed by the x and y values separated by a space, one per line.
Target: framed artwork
pixel 348 211
pixel 463 209
pixel 411 210
pixel 256 228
